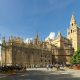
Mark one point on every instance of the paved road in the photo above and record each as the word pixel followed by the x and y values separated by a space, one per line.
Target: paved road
pixel 41 75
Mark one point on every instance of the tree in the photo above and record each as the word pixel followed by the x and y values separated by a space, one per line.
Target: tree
pixel 76 57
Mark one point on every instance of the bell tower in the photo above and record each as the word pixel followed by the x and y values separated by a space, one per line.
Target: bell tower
pixel 73 33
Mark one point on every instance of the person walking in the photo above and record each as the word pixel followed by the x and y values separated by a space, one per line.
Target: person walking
pixel 47 67
pixel 58 67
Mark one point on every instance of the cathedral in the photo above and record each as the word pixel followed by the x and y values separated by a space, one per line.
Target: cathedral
pixel 39 54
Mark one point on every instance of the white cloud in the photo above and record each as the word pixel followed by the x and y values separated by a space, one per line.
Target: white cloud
pixel 28 40
pixel 51 36
pixel 0 41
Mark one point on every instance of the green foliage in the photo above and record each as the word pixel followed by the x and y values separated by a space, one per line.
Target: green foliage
pixel 76 57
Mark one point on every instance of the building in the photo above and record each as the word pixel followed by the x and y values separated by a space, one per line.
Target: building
pixel 63 50
pixel 37 53
pixel 65 46
pixel 73 33
pixel 16 52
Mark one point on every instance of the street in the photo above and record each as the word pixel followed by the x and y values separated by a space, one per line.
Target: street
pixel 42 75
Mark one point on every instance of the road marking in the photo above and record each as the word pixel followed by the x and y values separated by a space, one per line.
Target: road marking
pixel 60 72
pixel 22 75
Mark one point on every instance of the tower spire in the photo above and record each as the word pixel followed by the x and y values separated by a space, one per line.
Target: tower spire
pixel 73 21
pixel 36 39
pixel 36 36
pixel 59 34
pixel 3 41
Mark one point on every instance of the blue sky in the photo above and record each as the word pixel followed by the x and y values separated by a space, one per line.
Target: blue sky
pixel 25 18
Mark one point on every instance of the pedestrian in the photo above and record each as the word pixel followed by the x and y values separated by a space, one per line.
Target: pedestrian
pixel 47 67
pixel 58 67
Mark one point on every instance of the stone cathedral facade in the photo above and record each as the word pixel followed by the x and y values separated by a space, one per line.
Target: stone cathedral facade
pixel 40 54
pixel 23 54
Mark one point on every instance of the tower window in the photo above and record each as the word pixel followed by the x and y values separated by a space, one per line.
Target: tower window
pixel 72 24
pixel 49 61
pixel 71 30
pixel 45 56
pixel 41 60
pixel 41 55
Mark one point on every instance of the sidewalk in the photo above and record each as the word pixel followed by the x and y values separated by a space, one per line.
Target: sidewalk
pixel 42 69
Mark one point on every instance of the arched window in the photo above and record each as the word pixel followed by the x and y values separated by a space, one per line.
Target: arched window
pixel 72 24
pixel 41 60
pixel 71 30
